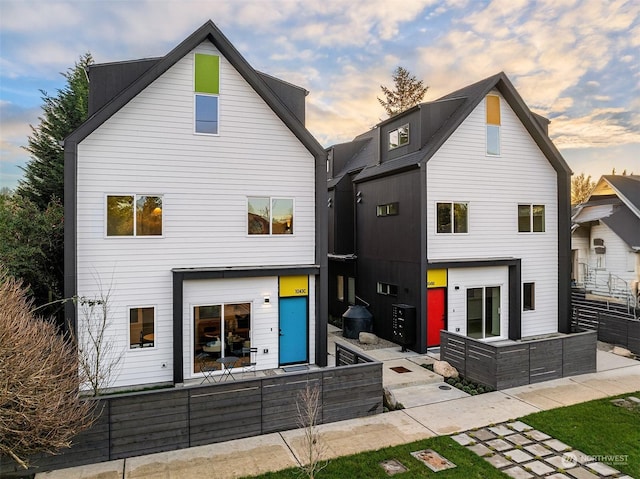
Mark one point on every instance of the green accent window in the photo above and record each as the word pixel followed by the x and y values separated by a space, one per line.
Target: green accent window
pixel 207 87
pixel 207 74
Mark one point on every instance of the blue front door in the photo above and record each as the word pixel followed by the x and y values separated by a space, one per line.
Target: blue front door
pixel 293 330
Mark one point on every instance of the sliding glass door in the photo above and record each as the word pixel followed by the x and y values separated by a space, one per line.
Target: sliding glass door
pixel 483 312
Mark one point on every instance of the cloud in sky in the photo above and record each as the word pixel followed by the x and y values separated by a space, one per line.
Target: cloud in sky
pixel 575 61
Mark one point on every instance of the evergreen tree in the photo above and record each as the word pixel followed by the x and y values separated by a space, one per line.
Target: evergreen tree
pixel 63 113
pixel 408 92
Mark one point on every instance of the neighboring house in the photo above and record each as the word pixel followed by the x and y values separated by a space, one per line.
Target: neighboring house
pixel 459 207
pixel 605 241
pixel 191 197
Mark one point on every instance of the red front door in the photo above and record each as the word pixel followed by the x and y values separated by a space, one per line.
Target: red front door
pixel 435 315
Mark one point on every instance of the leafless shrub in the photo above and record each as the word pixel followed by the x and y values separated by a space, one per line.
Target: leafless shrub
pixel 98 353
pixel 309 408
pixel 40 407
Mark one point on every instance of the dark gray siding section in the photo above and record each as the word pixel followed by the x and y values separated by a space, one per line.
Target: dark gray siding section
pixel 389 247
pixel 292 96
pixel 108 79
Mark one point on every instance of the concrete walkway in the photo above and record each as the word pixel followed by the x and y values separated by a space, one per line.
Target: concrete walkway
pixel 452 414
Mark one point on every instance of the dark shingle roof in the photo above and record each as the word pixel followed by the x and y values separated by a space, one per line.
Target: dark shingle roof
pixel 469 97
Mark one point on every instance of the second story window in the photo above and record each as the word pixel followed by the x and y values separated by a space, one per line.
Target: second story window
pixel 530 218
pixel 493 125
pixel 390 209
pixel 269 216
pixel 399 136
pixel 452 218
pixel 134 215
pixel 206 88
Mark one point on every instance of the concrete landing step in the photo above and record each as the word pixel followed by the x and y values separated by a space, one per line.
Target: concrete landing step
pixel 405 372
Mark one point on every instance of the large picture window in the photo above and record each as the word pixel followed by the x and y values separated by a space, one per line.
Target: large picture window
pixel 531 218
pixel 141 327
pixel 221 330
pixel 269 216
pixel 206 87
pixel 134 215
pixel 452 218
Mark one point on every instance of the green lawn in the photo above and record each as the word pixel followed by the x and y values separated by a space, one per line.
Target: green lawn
pixel 595 428
pixel 366 464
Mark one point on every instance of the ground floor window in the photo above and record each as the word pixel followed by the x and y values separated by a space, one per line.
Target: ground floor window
pixel 483 312
pixel 141 327
pixel 221 330
pixel 528 296
pixel 351 290
pixel 340 288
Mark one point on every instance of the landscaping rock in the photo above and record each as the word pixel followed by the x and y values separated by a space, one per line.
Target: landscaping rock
pixel 389 400
pixel 368 338
pixel 445 369
pixel 620 351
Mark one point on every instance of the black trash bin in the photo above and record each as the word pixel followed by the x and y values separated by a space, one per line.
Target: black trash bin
pixel 355 320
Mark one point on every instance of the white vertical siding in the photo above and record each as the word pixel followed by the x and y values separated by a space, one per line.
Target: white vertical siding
pixel 148 147
pixel 494 186
pixel 465 278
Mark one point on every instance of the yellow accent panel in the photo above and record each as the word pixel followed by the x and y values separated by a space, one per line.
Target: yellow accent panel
pixel 493 110
pixel 294 286
pixel 436 278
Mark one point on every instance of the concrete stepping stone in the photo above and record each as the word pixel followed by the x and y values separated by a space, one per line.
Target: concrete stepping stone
pixel 581 473
pixel 559 462
pixel 501 430
pixel 482 435
pixel 518 456
pixel 602 469
pixel 556 445
pixel 463 439
pixel 517 473
pixel 539 468
pixel 498 461
pixel 519 426
pixel 518 439
pixel 537 435
pixel 538 450
pixel 557 475
pixel 480 449
pixel 499 445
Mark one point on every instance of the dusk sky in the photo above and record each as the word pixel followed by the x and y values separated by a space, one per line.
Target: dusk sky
pixel 575 62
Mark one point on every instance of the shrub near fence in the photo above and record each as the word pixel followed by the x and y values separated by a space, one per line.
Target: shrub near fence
pixel 516 363
pixel 163 420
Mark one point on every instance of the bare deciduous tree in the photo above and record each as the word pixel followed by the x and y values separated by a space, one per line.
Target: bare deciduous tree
pixel 308 405
pixel 98 353
pixel 40 407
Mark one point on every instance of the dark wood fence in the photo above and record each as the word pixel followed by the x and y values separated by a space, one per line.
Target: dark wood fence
pixel 163 420
pixel 516 363
pixel 346 356
pixel 621 331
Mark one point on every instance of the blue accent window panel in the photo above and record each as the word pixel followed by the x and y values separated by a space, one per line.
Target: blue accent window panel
pixel 207 114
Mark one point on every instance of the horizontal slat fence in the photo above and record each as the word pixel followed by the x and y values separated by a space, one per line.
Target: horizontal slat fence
pixel 503 366
pixel 155 421
pixel 620 331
